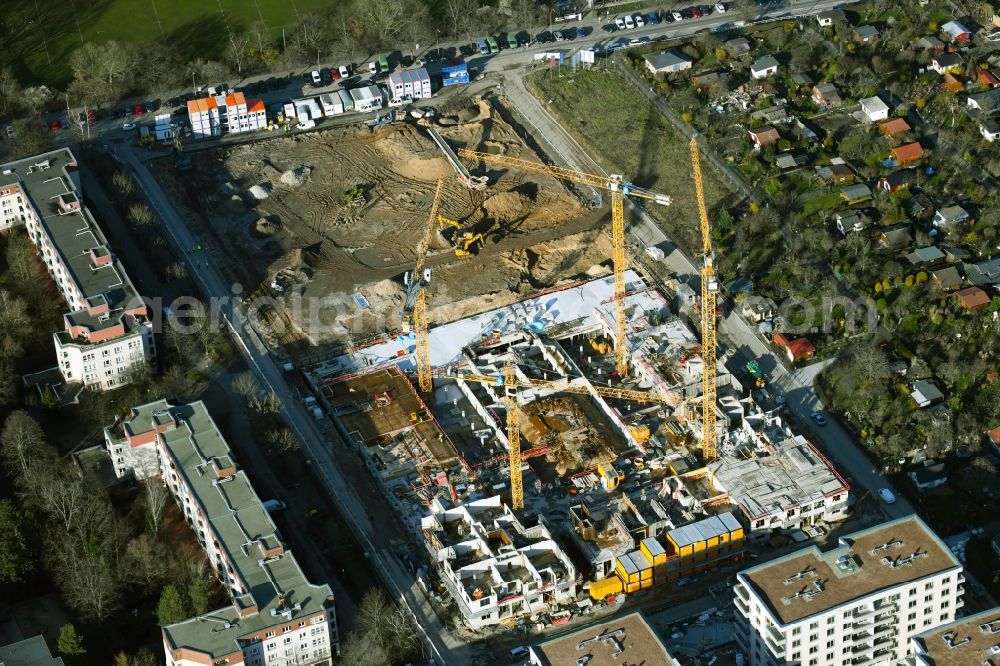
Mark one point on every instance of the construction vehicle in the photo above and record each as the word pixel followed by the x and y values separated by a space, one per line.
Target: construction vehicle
pixel 415 305
pixel 600 346
pixel 758 377
pixel 619 188
pixel 465 243
pixel 709 293
pixel 461 173
pixel 444 222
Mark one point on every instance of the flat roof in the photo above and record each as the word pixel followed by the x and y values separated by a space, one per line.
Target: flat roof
pixel 962 642
pixel 795 473
pixel 237 517
pixel 775 582
pixel 704 529
pixel 29 652
pixel 631 634
pixel 46 177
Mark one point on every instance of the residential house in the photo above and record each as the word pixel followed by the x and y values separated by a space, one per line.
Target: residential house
pixel 836 172
pixel 956 32
pixel 946 278
pixel 896 180
pixel 990 129
pixel 929 476
pixel 709 79
pixel 796 349
pixel 985 77
pixel 946 62
pixel 855 194
pixel 925 256
pixel 896 237
pixel 925 393
pixel 866 34
pixel 852 222
pixel 983 273
pixel 736 47
pixel 874 108
pixel 894 127
pixel 764 136
pixel 826 95
pixel 790 161
pixel 667 62
pixel 984 103
pixel 758 308
pixel 772 115
pixel 949 215
pixel 909 152
pixel 972 298
pixel 952 83
pixel 763 67
pixel 831 17
pixel 955 255
pixel 802 80
pixel 931 44
pixel 28 652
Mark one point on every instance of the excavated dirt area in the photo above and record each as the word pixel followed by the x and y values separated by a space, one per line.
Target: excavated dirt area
pixel 338 215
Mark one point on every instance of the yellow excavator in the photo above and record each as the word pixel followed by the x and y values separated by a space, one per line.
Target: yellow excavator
pixel 466 242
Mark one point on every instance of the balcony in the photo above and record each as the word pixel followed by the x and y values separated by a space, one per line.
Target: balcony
pixel 885 629
pixel 859 637
pixel 862 612
pixel 742 606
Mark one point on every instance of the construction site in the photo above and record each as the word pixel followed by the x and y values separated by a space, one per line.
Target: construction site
pixel 538 412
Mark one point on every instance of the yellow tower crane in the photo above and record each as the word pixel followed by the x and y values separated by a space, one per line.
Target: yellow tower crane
pixel 415 307
pixel 510 384
pixel 619 188
pixel 709 291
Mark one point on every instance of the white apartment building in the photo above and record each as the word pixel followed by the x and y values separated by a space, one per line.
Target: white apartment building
pixel 276 616
pixel 230 113
pixel 784 485
pixel 410 83
pixel 857 604
pixel 108 334
pixel 496 568
pixel 971 641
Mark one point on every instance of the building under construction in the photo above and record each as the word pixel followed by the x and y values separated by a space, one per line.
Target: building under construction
pixel 615 462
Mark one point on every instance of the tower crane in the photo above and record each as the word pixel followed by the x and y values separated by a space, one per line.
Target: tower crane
pixel 415 306
pixel 619 188
pixel 510 383
pixel 709 291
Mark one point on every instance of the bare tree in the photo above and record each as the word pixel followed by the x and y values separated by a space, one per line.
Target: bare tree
pixel 62 496
pixel 283 439
pixel 386 20
pixel 140 214
pixel 103 69
pixel 13 311
pixel 35 98
pixel 22 446
pixel 871 363
pixel 245 385
pixel 144 562
pixel 123 182
pixel 10 90
pixel 237 54
pixel 156 503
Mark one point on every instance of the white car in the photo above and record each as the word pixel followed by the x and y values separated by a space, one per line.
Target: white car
pixel 306 124
pixel 316 78
pixel 677 16
pixel 397 102
pixel 629 22
pixel 344 71
pixel 128 126
pixel 720 8
pixel 638 21
pixel 886 496
pixel 620 23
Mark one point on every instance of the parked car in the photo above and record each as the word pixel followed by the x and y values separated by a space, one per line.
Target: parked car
pixel 523 38
pixel 677 16
pixel 326 76
pixel 344 71
pixel 651 18
pixel 720 8
pixel 610 27
pixel 466 50
pixel 558 35
pixel 886 496
pixel 629 21
pixel 317 78
pixel 544 37
pixel 639 22
pixel 818 418
pixel 128 126
pixel 695 12
pixel 10 131
pixel 620 23
pixel 306 124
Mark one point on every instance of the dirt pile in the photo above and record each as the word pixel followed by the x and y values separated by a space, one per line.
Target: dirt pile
pixel 508 206
pixel 296 177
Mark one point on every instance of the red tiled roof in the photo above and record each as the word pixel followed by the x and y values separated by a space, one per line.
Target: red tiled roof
pixel 255 105
pixel 988 78
pixel 801 348
pixel 972 298
pixel 894 127
pixel 907 152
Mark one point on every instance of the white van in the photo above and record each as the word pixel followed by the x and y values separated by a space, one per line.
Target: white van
pixel 629 21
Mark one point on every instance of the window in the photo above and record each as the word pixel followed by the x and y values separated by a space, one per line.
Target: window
pixel 814 625
pixel 929 597
pixel 945 604
pixel 913 591
pixel 795 656
pixel 796 631
pixel 912 604
pixel 929 585
pixel 911 616
pixel 911 627
pixel 796 642
pixel 829 644
pixel 944 617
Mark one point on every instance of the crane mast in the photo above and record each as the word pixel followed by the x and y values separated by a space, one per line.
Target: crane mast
pixel 709 291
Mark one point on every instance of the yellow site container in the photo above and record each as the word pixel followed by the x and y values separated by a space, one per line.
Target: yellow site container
pixel 653 551
pixel 602 588
pixel 632 587
pixel 646 584
pixel 627 570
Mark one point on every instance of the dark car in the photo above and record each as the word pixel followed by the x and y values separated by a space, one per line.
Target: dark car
pixel 121 113
pixel 466 50
pixel 583 32
pixel 173 101
pixel 523 38
pixel 544 37
pixel 705 9
pixel 326 75
pixel 667 17
pixel 180 111
pixel 610 27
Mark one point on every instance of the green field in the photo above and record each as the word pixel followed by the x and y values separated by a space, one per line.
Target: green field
pixel 625 134
pixel 38 35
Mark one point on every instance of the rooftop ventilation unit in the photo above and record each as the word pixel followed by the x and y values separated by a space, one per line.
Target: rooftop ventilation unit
pixel 949 640
pixel 800 575
pixel 894 543
pixel 903 561
pixel 991 627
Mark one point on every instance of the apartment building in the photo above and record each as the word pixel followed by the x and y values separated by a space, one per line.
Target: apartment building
pixel 625 640
pixel 971 641
pixel 856 604
pixel 276 615
pixel 495 567
pixel 224 114
pixel 108 334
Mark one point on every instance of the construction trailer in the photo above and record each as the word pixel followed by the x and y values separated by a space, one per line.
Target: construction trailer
pixel 410 83
pixel 162 127
pixel 368 98
pixel 332 104
pixel 346 99
pixel 454 74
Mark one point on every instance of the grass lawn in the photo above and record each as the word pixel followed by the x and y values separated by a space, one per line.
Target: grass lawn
pixel 626 135
pixel 38 35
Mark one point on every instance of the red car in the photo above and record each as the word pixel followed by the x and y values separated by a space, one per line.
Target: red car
pixel 695 12
pixel 55 126
pixel 138 110
pixel 335 74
